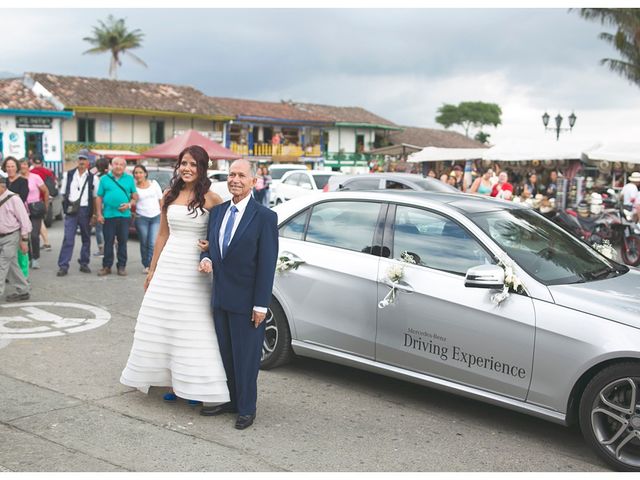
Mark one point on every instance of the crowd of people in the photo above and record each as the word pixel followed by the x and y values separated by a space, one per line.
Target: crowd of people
pixel 497 183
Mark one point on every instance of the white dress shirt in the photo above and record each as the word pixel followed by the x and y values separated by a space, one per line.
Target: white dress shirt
pixel 77 181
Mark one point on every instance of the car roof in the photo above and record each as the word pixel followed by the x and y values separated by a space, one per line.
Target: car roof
pixel 466 203
pixel 315 172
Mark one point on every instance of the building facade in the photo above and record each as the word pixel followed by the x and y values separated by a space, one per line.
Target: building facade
pixel 124 115
pixel 31 125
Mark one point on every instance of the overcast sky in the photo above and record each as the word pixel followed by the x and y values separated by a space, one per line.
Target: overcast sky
pixel 400 64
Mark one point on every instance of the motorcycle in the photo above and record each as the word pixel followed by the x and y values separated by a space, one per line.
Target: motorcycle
pixel 611 225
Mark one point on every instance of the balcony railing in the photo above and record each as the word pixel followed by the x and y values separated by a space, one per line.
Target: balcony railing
pixel 268 150
pixel 341 159
pixel 71 148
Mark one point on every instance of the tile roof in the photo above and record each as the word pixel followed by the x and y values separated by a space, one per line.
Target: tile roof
pixel 75 91
pixel 279 110
pixel 430 137
pixel 15 96
pixel 344 114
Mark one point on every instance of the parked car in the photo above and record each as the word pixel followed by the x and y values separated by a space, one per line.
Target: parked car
pixel 277 170
pixel 219 183
pixel 295 183
pixel 489 300
pixel 162 175
pixel 54 212
pixel 389 181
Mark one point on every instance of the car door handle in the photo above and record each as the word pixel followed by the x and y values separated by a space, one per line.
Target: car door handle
pixel 401 286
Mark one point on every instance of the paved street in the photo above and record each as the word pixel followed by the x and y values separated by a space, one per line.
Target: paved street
pixel 63 409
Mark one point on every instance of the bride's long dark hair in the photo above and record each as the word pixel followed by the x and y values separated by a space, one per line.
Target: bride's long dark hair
pixel 202 183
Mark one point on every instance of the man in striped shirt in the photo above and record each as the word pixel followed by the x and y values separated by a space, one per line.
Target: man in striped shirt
pixel 15 227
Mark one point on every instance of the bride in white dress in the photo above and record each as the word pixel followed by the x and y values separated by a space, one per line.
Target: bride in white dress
pixel 175 343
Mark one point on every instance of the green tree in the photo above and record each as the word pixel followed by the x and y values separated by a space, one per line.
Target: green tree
pixel 114 37
pixel 469 114
pixel 482 137
pixel 626 40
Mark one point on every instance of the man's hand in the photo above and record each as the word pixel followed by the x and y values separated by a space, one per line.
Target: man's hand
pixel 124 206
pixel 100 218
pixel 24 246
pixel 205 266
pixel 258 318
pixel 203 245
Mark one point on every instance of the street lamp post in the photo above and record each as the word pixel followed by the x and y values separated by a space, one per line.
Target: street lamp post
pixel 558 119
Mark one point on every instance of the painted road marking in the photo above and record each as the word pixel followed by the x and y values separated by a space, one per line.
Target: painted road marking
pixel 48 319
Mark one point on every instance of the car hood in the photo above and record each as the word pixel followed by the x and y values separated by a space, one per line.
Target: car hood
pixel 616 298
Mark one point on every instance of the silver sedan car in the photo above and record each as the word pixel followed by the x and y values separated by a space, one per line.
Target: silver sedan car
pixel 412 285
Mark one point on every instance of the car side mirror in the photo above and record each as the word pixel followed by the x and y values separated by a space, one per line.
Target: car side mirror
pixel 485 276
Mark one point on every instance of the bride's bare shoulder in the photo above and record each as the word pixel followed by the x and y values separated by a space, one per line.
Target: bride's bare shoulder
pixel 212 199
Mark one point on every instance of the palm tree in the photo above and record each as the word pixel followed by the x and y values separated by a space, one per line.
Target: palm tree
pixel 626 39
pixel 113 37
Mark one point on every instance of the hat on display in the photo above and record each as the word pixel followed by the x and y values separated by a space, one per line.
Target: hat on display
pixel 634 177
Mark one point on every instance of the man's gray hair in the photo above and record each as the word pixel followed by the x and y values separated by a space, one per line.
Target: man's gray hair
pixel 252 166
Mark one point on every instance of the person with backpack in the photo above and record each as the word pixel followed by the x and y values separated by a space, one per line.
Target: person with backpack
pixel 49 179
pixel 15 227
pixel 78 205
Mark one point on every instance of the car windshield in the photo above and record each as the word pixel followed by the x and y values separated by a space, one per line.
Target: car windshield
pixel 163 177
pixel 544 250
pixel 321 180
pixel 434 186
pixel 277 173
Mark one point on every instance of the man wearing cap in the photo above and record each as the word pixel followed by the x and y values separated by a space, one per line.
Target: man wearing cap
pixel 630 200
pixel 117 194
pixel 15 227
pixel 78 205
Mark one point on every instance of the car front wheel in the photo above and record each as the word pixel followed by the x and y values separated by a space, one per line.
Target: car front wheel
pixel 610 415
pixel 276 348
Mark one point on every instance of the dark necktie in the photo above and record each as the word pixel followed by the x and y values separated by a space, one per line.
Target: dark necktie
pixel 226 238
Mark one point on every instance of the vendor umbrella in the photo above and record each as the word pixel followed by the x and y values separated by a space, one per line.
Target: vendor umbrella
pixel 172 148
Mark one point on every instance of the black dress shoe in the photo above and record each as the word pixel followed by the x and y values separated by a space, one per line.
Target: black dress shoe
pixel 61 273
pixel 85 269
pixel 244 421
pixel 211 411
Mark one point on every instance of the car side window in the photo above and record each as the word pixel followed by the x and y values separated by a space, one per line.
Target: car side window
pixel 292 179
pixel 348 225
pixel 294 228
pixel 436 241
pixel 304 181
pixel 393 185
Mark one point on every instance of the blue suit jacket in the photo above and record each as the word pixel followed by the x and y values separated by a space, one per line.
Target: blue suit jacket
pixel 244 277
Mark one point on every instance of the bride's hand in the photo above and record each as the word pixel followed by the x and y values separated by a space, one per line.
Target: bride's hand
pixel 204 245
pixel 205 266
pixel 147 280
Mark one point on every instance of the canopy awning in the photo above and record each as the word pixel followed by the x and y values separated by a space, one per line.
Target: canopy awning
pixel 172 148
pixel 400 149
pixel 625 152
pixel 126 154
pixel 439 154
pixel 524 149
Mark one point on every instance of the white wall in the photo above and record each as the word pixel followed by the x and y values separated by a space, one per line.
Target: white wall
pixel 14 140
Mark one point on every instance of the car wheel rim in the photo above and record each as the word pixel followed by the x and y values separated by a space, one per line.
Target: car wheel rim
pixel 615 420
pixel 270 336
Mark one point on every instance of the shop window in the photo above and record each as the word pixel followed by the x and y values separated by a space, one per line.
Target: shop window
pixel 157 131
pixel 87 130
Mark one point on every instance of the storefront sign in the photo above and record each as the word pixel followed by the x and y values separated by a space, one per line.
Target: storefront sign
pixel 33 122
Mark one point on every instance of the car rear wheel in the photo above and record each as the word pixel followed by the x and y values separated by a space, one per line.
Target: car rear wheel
pixel 276 348
pixel 610 415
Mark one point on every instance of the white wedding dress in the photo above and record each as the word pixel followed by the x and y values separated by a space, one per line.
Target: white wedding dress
pixel 175 343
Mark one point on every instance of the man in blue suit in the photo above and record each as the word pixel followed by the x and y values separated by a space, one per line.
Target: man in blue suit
pixel 242 253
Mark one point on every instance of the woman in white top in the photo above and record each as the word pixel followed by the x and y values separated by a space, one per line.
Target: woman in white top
pixel 147 213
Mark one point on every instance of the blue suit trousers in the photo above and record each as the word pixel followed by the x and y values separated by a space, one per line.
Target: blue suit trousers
pixel 240 348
